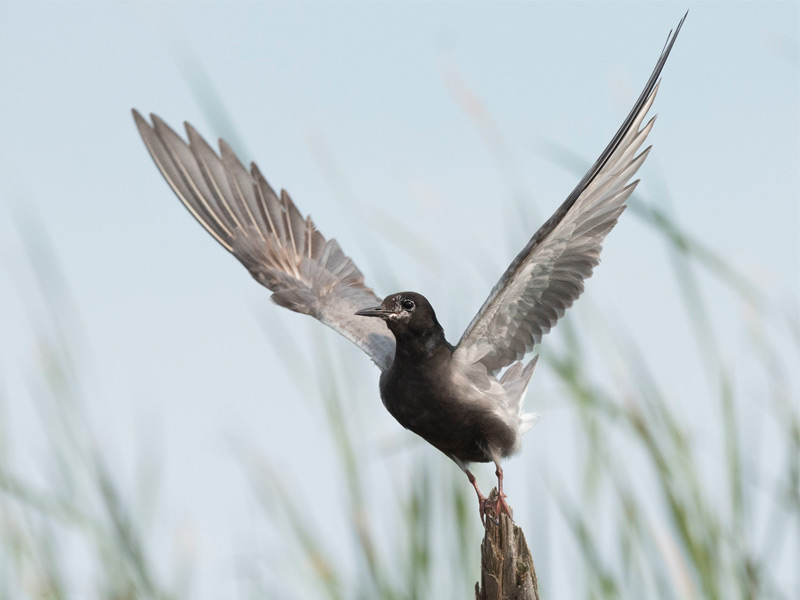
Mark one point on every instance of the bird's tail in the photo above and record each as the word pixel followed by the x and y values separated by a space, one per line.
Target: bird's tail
pixel 515 383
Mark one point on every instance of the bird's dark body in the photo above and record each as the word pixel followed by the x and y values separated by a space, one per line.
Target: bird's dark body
pixel 418 391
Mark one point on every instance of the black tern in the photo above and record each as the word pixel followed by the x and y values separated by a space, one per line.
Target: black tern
pixel 466 400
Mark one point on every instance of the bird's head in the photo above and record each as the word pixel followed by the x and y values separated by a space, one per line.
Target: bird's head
pixel 406 312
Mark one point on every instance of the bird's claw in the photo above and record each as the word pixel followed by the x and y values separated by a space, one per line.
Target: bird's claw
pixel 492 507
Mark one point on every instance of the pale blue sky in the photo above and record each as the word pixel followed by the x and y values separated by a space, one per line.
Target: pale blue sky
pixel 174 336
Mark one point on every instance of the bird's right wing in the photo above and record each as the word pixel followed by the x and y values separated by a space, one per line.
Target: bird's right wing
pixel 547 276
pixel 282 250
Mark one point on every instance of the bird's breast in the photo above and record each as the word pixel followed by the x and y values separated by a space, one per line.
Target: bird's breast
pixel 414 392
pixel 428 400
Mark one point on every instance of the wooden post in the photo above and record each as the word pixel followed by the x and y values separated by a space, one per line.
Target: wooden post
pixel 507 571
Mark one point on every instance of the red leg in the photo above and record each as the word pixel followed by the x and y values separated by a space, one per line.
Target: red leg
pixel 481 497
pixel 502 506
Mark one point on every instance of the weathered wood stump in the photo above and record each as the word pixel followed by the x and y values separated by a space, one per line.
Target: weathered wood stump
pixel 507 571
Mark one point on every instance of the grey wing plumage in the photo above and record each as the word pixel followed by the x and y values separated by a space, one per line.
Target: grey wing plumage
pixel 547 276
pixel 282 250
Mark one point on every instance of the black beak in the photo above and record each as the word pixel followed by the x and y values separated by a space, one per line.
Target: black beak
pixel 375 311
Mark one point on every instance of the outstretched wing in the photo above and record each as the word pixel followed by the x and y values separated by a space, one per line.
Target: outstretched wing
pixel 547 276
pixel 282 250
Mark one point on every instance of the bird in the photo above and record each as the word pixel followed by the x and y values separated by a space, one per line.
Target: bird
pixel 466 399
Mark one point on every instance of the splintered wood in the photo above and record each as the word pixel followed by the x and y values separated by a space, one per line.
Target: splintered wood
pixel 507 571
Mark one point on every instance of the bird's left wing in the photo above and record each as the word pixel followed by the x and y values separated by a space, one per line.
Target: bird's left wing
pixel 282 250
pixel 547 276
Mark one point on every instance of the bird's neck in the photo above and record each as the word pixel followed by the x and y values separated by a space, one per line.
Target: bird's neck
pixel 415 346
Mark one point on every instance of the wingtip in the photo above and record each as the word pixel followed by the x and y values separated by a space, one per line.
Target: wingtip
pixel 680 24
pixel 653 93
pixel 139 119
pixel 674 34
pixel 158 122
pixel 144 127
pixel 225 150
pixel 192 133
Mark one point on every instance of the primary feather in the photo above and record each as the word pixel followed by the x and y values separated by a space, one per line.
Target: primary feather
pixel 282 250
pixel 547 276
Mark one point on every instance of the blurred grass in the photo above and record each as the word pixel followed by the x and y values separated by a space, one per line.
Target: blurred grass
pixel 665 529
pixel 81 507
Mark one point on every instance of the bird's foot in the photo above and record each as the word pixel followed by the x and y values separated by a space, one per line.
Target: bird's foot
pixel 494 506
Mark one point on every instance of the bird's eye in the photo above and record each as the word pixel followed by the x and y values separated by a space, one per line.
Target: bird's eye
pixel 407 304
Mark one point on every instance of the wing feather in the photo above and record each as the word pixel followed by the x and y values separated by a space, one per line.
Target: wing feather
pixel 266 232
pixel 547 276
